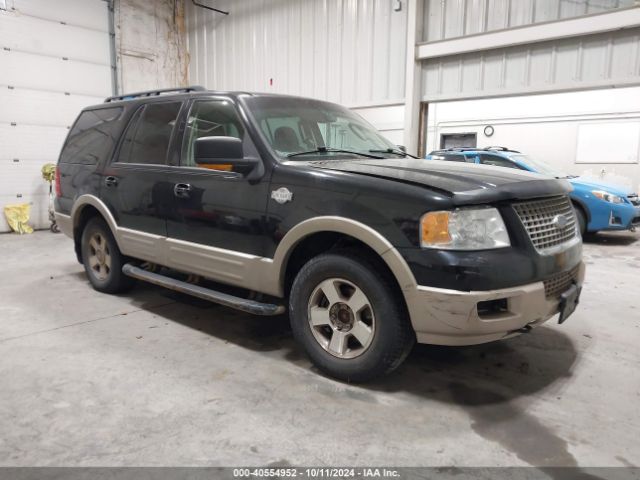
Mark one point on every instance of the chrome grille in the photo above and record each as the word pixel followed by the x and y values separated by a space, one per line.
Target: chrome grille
pixel 633 198
pixel 543 219
pixel 560 282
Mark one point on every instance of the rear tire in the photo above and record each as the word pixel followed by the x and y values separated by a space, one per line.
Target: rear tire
pixel 102 258
pixel 347 314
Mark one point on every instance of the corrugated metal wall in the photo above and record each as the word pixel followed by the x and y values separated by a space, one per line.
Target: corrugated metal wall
pixel 54 60
pixel 445 19
pixel 348 51
pixel 607 59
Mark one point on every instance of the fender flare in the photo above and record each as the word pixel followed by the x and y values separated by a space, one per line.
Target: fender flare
pixel 82 201
pixel 349 227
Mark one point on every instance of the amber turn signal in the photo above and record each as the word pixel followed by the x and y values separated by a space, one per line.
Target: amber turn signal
pixel 225 167
pixel 435 228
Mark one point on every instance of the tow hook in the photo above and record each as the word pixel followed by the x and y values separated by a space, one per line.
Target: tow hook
pixel 525 329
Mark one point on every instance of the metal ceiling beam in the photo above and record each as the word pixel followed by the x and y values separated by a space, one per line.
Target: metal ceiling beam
pixel 566 28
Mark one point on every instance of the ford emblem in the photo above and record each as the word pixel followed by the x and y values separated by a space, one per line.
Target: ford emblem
pixel 560 221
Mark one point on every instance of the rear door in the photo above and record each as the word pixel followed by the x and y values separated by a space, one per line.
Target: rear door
pixel 89 145
pixel 135 185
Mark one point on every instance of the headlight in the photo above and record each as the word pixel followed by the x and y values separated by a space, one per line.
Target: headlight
pixel 607 197
pixel 464 229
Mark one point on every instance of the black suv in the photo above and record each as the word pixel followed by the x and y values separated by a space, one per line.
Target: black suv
pixel 269 202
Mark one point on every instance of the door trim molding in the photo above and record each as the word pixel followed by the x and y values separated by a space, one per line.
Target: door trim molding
pixel 261 274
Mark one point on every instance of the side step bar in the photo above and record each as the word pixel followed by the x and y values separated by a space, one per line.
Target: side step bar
pixel 249 306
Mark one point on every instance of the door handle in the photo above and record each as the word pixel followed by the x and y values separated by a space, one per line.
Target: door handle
pixel 182 190
pixel 111 181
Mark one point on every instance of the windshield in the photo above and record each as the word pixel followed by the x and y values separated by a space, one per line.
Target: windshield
pixel 311 129
pixel 539 166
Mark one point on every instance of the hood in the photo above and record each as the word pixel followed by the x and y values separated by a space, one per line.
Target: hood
pixel 463 183
pixel 597 184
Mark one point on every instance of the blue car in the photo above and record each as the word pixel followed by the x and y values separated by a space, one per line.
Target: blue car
pixel 598 205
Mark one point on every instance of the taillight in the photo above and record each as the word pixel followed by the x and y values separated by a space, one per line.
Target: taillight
pixel 58 185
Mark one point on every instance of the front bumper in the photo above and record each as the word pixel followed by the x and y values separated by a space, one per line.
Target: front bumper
pixel 450 317
pixel 635 221
pixel 614 217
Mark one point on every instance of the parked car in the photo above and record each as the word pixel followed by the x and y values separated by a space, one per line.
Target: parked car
pixel 599 205
pixel 284 203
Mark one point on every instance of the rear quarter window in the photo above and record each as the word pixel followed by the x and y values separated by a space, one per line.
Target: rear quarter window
pixel 450 157
pixel 92 137
pixel 496 161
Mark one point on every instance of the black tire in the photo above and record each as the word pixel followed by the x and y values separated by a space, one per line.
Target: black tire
pixel 582 220
pixel 109 279
pixel 390 341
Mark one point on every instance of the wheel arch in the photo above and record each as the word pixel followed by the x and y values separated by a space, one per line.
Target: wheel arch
pixel 85 208
pixel 340 228
pixel 578 203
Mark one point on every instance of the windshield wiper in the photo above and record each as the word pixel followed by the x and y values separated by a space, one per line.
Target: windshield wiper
pixel 337 150
pixel 397 151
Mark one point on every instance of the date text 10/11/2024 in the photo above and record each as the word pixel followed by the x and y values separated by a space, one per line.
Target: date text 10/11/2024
pixel 292 472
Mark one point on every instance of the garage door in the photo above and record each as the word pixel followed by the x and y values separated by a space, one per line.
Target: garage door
pixel 54 60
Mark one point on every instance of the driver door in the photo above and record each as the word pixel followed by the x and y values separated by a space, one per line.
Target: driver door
pixel 217 214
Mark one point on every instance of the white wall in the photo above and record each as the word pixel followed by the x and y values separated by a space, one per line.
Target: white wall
pixel 347 51
pixel 54 60
pixel 389 120
pixel 548 126
pixel 588 61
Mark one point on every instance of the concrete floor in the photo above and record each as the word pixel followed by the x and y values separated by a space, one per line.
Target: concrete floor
pixel 153 378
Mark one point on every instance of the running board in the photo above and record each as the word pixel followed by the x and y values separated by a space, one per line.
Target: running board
pixel 249 306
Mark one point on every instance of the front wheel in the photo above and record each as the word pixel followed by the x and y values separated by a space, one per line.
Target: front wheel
pixel 349 317
pixel 582 221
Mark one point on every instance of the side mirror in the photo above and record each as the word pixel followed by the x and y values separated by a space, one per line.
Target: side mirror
pixel 223 151
pixel 213 149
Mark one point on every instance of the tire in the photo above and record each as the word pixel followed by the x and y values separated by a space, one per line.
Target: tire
pixel 582 220
pixel 102 259
pixel 361 328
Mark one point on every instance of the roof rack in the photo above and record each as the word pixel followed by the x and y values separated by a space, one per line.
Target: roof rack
pixel 153 93
pixel 454 149
pixel 500 149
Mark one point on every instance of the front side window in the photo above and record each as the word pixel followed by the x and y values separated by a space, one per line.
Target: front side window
pixel 149 134
pixel 92 137
pixel 292 126
pixel 210 118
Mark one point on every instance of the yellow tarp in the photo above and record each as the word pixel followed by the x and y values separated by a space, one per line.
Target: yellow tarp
pixel 18 216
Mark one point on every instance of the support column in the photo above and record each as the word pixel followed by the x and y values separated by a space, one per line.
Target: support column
pixel 413 76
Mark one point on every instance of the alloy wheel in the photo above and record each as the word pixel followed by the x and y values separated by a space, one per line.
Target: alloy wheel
pixel 341 318
pixel 99 256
